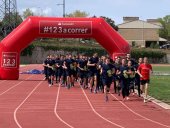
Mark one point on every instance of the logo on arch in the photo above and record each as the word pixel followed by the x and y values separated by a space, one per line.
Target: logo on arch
pixel 9 59
pixel 66 27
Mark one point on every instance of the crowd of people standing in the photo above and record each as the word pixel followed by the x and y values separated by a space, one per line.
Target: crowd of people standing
pixel 98 74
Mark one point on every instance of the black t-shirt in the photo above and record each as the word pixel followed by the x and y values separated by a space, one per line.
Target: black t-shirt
pixel 107 70
pixel 46 62
pixel 122 69
pixel 69 64
pixel 60 64
pixel 83 64
pixel 93 61
pixel 51 62
pixel 132 70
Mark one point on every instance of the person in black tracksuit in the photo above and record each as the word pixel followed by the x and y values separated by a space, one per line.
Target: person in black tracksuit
pixel 116 77
pixel 130 73
pixel 46 67
pixel 69 64
pixel 57 60
pixel 82 66
pixel 51 72
pixel 137 77
pixel 60 70
pixel 107 76
pixel 92 66
pixel 123 80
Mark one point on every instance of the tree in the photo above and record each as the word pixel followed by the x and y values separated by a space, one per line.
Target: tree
pixel 9 22
pixel 111 22
pixel 77 13
pixel 28 12
pixel 165 31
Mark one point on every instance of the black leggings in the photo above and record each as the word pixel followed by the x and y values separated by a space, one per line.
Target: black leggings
pixel 125 89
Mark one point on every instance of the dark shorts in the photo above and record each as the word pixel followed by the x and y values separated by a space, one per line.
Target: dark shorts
pixel 82 74
pixel 69 73
pixel 143 82
pixel 74 73
pixel 107 82
pixel 92 73
pixel 51 73
pixel 60 72
pixel 64 73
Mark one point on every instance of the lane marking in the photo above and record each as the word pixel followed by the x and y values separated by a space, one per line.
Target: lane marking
pixel 55 109
pixel 98 113
pixel 15 86
pixel 15 112
pixel 139 114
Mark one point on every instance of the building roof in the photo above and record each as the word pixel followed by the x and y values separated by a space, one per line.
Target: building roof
pixel 162 39
pixel 138 24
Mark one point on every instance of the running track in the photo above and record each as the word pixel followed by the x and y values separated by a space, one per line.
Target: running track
pixel 30 103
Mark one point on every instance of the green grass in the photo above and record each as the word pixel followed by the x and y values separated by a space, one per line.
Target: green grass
pixel 160 88
pixel 161 68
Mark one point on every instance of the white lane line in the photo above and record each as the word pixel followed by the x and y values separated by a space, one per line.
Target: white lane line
pixel 15 112
pixel 17 84
pixel 98 113
pixel 140 114
pixel 14 86
pixel 55 110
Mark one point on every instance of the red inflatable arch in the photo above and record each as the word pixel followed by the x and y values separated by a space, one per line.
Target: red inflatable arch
pixel 35 27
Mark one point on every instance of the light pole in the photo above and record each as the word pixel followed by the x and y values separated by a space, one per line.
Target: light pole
pixel 63 4
pixel 40 11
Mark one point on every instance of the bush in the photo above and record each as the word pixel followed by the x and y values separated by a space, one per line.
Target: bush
pixel 133 43
pixel 83 50
pixel 150 53
pixel 152 45
pixel 156 46
pixel 28 50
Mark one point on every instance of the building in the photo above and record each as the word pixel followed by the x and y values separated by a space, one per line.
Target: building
pixel 140 33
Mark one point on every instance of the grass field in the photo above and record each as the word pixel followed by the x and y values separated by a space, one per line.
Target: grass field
pixel 163 68
pixel 160 85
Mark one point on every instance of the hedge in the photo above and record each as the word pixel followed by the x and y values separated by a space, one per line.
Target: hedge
pixel 84 50
pixel 28 50
pixel 150 53
pixel 87 50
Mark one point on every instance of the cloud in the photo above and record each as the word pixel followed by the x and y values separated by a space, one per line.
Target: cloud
pixel 38 11
pixel 47 11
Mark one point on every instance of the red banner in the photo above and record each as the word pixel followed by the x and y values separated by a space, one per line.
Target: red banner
pixel 66 27
pixel 9 59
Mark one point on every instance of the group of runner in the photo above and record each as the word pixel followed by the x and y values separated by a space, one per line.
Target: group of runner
pixel 98 74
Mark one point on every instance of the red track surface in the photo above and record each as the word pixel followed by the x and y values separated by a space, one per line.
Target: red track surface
pixel 30 103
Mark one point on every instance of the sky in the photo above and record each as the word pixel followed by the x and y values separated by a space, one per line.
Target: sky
pixel 114 9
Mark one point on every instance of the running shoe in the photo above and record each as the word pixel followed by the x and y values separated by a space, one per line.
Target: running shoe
pixel 106 98
pixel 68 86
pixel 91 90
pixel 145 100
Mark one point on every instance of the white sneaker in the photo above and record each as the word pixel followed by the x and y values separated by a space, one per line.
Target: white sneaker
pixel 145 100
pixel 50 85
pixel 127 98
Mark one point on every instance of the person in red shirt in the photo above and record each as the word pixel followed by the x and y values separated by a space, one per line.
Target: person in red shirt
pixel 144 71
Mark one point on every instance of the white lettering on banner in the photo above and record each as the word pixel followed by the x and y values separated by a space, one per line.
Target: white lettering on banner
pixel 66 27
pixel 9 59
